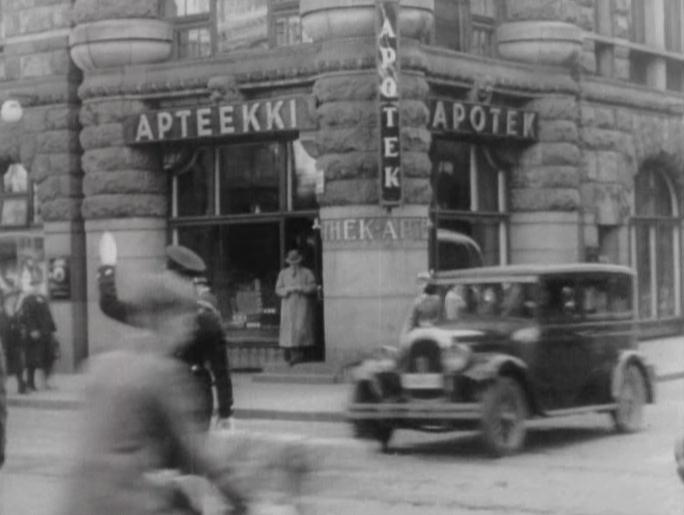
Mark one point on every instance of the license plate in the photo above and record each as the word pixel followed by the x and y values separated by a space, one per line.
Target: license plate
pixel 422 381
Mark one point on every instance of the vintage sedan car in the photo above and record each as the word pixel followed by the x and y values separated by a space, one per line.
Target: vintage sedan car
pixel 492 347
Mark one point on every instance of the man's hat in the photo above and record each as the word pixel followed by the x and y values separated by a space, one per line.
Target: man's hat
pixel 293 257
pixel 185 260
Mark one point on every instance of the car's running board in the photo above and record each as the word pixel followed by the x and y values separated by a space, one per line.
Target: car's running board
pixel 601 408
pixel 413 411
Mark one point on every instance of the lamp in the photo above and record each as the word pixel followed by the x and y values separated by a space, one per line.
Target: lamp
pixel 11 111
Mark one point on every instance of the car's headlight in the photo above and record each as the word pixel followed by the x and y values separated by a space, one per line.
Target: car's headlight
pixel 457 357
pixel 526 335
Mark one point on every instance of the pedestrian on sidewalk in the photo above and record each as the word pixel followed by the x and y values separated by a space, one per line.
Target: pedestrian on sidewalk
pixel 37 329
pixel 3 405
pixel 12 345
pixel 205 353
pixel 139 420
pixel 296 286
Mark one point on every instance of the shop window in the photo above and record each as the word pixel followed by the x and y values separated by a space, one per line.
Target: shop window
pixel 242 207
pixel 16 195
pixel 469 199
pixel 655 246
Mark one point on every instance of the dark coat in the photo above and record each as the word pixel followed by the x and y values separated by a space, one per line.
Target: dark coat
pixel 3 406
pixel 207 347
pixel 36 327
pixel 138 419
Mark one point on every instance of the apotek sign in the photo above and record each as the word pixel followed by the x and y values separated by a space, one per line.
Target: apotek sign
pixel 388 98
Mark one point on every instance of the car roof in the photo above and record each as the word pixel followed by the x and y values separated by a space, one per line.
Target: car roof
pixel 529 270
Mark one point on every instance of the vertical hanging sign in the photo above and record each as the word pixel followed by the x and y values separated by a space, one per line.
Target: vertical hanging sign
pixel 388 100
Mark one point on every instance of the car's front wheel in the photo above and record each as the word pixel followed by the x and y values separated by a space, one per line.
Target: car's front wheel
pixel 504 411
pixel 631 398
pixel 378 430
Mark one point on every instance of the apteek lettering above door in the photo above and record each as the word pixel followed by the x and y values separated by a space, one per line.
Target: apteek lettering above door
pixel 250 117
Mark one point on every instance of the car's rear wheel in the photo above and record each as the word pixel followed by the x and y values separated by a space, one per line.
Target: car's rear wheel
pixel 379 430
pixel 504 411
pixel 629 415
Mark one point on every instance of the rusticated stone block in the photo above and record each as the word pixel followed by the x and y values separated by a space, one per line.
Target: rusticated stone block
pixel 608 166
pixel 61 210
pixel 27 150
pixel 588 61
pixel 560 154
pixel 349 165
pixel 546 177
pixel 417 191
pixel 94 10
pixel 118 158
pixel 414 113
pixel 35 119
pixel 124 181
pixel 413 87
pixel 62 118
pixel 102 112
pixel 555 107
pixel 350 191
pixel 555 199
pixel 57 141
pixel 416 164
pixel 102 136
pixel 558 131
pixel 531 156
pixel 45 165
pixel 621 68
pixel 347 139
pixel 598 116
pixel 59 186
pixel 346 87
pixel 415 139
pixel 587 17
pixel 349 113
pixel 123 206
pixel 558 10
pixel 603 139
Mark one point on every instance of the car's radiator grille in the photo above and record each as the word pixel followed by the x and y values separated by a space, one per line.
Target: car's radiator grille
pixel 424 357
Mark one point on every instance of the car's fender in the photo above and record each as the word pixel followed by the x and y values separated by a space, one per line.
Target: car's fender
pixel 634 357
pixel 494 365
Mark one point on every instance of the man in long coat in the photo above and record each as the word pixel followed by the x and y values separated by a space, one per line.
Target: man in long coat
pixel 296 286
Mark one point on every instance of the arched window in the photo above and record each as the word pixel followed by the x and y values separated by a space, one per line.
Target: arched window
pixel 656 227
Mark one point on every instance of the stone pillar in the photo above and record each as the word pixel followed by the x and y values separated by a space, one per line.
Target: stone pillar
pixel 368 281
pixel 545 189
pixel 124 187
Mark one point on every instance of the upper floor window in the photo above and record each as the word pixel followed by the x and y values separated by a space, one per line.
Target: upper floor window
pixel 16 198
pixel 205 27
pixel 467 25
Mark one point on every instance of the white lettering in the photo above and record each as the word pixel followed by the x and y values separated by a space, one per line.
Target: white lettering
pixel 478 118
pixel 365 231
pixel 390 113
pixel 349 225
pixel 226 123
pixel 249 118
pixel 387 29
pixel 459 115
pixel 332 230
pixel 391 146
pixel 273 118
pixel 511 123
pixel 388 88
pixel 293 114
pixel 204 121
pixel 391 177
pixel 529 121
pixel 164 124
pixel 387 56
pixel 496 114
pixel 439 119
pixel 144 129
pixel 390 231
pixel 183 116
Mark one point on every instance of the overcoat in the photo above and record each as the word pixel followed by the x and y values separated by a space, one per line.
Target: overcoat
pixel 296 286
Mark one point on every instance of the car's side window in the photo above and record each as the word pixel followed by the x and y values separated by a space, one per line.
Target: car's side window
pixel 559 299
pixel 606 297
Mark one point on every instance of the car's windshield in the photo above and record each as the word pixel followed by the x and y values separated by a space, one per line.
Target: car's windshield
pixel 499 299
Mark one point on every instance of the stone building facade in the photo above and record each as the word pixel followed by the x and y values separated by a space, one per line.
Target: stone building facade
pixel 543 130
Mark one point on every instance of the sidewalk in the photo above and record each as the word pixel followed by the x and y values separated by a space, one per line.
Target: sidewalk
pixel 306 401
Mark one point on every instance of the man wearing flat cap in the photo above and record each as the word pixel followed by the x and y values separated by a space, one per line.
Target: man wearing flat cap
pixel 205 354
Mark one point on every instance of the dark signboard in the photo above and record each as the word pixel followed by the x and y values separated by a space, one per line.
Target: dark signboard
pixel 211 121
pixel 483 119
pixel 388 97
pixel 59 284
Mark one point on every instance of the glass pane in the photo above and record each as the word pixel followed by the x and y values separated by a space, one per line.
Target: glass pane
pixel 250 177
pixel 288 30
pixel 14 211
pixel 242 24
pixel 451 175
pixel 194 43
pixel 467 243
pixel 487 184
pixel 665 257
pixel 15 179
pixel 643 258
pixel 195 187
pixel 653 196
pixel 304 179
pixel 37 211
pixel 483 8
pixel 175 8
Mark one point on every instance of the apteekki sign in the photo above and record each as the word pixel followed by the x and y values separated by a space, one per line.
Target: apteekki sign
pixel 375 229
pixel 250 117
pixel 483 119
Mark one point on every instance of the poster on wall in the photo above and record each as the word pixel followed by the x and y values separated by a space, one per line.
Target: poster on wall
pixel 59 285
pixel 241 24
pixel 388 98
